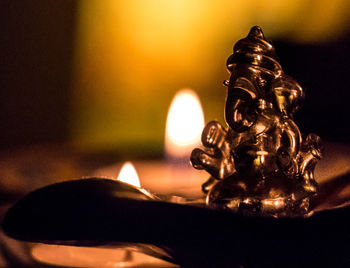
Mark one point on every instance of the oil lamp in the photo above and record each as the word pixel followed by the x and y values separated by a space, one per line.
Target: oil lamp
pixel 120 255
pixel 261 199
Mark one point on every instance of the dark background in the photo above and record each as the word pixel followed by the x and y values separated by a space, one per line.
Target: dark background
pixel 323 71
pixel 36 51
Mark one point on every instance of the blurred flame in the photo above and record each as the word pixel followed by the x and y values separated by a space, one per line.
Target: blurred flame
pixel 184 124
pixel 129 175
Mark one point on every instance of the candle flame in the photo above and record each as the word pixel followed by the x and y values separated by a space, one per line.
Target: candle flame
pixel 129 175
pixel 184 124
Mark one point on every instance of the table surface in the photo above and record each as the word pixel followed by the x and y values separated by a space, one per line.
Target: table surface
pixel 27 169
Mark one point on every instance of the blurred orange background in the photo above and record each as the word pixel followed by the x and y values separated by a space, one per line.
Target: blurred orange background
pixel 101 74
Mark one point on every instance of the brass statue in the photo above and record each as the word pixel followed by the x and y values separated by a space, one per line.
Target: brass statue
pixel 261 164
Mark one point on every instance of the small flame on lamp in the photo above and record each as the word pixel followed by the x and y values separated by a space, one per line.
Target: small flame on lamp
pixel 184 124
pixel 129 175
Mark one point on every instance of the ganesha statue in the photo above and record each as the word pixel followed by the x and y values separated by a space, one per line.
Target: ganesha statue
pixel 260 164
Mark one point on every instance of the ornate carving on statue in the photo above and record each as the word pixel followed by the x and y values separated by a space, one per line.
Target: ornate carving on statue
pixel 260 163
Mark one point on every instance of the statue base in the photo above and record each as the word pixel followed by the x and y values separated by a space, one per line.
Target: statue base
pixel 276 195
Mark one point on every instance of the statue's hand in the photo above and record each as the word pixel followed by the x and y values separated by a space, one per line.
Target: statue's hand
pixel 216 158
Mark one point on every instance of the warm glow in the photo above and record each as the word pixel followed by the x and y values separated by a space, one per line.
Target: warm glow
pixel 184 124
pixel 70 256
pixel 129 175
pixel 130 54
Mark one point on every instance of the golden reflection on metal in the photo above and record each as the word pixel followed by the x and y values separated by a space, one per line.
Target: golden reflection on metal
pixel 261 164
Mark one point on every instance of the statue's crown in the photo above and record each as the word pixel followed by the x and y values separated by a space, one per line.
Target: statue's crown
pixel 255 50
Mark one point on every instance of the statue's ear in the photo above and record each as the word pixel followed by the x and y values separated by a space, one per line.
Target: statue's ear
pixel 285 86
